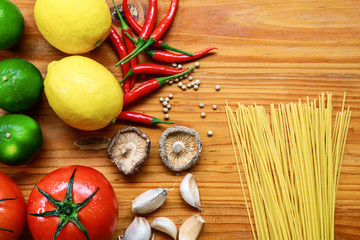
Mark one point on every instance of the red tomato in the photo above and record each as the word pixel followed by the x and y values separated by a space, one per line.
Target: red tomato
pixel 98 216
pixel 12 211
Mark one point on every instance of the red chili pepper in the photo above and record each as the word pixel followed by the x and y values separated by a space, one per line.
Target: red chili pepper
pixel 140 118
pixel 152 68
pixel 121 52
pixel 130 46
pixel 157 33
pixel 137 29
pixel 149 86
pixel 148 26
pixel 175 58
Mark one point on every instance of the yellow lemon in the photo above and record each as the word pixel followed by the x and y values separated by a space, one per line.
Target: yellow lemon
pixel 73 26
pixel 83 93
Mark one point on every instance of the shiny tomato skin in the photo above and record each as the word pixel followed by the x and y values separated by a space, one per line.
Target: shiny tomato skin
pixel 12 212
pixel 99 216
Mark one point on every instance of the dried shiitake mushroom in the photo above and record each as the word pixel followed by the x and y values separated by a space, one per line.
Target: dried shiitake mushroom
pixel 180 148
pixel 129 149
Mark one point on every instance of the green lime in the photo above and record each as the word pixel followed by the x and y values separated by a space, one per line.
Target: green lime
pixel 11 24
pixel 21 85
pixel 20 139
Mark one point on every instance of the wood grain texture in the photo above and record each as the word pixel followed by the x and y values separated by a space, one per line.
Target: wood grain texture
pixel 269 52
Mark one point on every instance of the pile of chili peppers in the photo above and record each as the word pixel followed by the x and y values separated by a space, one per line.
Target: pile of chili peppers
pixel 127 50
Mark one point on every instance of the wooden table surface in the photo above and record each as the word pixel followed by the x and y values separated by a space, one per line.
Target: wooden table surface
pixel 269 52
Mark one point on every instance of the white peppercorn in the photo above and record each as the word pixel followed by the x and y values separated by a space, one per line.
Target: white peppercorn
pixel 197 64
pixel 166 116
pixel 183 87
pixel 165 110
pixel 196 87
pixel 171 96
pixel 165 103
pixel 217 87
pixel 167 99
pixel 161 99
pixel 203 114
pixel 168 106
pixel 201 105
pixel 191 78
pixel 214 107
pixel 210 133
pixel 197 82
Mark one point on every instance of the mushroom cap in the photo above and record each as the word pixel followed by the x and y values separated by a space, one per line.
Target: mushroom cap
pixel 180 148
pixel 129 149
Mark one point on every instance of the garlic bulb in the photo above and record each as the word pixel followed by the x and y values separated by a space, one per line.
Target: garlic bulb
pixel 165 225
pixel 139 229
pixel 189 191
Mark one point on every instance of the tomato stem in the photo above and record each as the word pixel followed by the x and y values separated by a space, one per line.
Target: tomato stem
pixel 66 210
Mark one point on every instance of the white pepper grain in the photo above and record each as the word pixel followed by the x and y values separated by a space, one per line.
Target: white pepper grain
pixel 203 114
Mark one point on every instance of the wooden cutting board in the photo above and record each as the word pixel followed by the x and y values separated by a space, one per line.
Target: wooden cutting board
pixel 269 52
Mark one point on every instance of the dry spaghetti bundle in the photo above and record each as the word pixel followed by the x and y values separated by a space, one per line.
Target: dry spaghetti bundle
pixel 291 160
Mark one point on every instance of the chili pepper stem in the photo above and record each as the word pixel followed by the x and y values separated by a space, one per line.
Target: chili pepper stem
pixel 124 26
pixel 131 38
pixel 166 46
pixel 140 47
pixel 162 80
pixel 130 72
pixel 155 120
pixel 142 44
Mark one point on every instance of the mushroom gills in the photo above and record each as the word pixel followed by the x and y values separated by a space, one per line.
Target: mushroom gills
pixel 180 148
pixel 129 149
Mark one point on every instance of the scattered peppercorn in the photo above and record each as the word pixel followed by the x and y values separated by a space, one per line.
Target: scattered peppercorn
pixel 189 85
pixel 183 87
pixel 197 64
pixel 179 66
pixel 176 80
pixel 192 83
pixel 180 84
pixel 166 116
pixel 165 103
pixel 214 107
pixel 174 65
pixel 196 87
pixel 165 110
pixel 201 105
pixel 168 106
pixel 167 99
pixel 203 114
pixel 197 82
pixel 191 78
pixel 217 87
pixel 170 82
pixel 171 96
pixel 161 99
pixel 210 133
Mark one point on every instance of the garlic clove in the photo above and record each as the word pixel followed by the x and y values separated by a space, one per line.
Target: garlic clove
pixel 149 201
pixel 165 225
pixel 139 229
pixel 189 191
pixel 191 228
